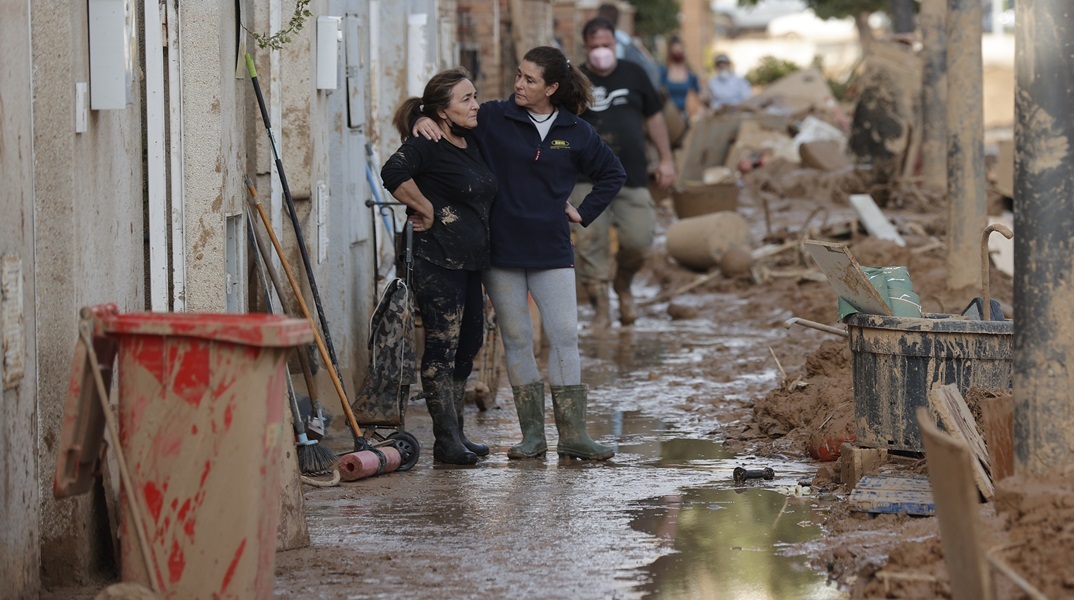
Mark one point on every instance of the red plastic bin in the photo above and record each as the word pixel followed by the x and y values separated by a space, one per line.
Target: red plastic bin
pixel 201 419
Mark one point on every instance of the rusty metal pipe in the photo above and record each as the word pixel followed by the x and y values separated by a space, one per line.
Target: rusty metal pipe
pixel 1007 233
pixel 814 325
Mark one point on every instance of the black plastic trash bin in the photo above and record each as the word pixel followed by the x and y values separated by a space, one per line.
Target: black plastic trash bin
pixel 897 360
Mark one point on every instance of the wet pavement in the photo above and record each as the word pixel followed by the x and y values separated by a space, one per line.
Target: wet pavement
pixel 663 519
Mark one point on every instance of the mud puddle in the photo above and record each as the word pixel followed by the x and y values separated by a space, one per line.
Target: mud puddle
pixel 731 544
pixel 661 519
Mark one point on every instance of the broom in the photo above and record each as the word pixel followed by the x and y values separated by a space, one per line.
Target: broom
pixel 313 458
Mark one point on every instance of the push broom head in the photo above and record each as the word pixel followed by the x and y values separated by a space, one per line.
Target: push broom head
pixel 313 458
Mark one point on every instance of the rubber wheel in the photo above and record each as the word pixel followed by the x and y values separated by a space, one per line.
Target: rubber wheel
pixel 409 449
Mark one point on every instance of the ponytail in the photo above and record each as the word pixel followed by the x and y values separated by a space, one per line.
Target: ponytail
pixel 575 92
pixel 408 112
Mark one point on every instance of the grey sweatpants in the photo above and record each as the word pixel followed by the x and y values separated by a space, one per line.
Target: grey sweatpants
pixel 553 292
pixel 633 213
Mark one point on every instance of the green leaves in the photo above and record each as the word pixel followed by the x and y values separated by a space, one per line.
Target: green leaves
pixel 655 17
pixel 277 40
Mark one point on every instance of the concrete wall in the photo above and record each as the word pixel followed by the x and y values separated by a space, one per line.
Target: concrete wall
pixel 214 152
pixel 19 540
pixel 81 234
pixel 89 249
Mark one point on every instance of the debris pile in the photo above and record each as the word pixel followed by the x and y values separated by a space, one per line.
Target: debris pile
pixel 792 165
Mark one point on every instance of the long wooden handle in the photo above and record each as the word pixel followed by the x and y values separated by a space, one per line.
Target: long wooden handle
pixel 305 309
pixel 84 330
pixel 266 258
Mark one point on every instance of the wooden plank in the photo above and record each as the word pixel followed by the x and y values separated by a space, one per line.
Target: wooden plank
pixel 949 461
pixel 874 220
pixel 997 420
pixel 895 495
pixel 947 403
pixel 855 463
pixel 845 275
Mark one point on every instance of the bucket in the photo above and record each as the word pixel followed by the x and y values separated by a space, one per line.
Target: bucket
pixel 897 360
pixel 201 419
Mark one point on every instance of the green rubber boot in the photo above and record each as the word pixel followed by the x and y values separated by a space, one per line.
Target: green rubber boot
pixel 447 447
pixel 569 403
pixel 529 402
pixel 459 389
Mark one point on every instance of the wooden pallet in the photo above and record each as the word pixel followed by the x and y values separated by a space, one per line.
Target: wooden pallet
pixel 894 495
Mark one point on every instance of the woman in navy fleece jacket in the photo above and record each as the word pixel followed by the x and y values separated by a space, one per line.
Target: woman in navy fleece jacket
pixel 537 146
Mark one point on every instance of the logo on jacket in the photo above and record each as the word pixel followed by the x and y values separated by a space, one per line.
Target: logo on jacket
pixel 602 99
pixel 561 145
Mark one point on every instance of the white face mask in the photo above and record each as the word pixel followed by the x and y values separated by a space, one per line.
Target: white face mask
pixel 724 74
pixel 602 59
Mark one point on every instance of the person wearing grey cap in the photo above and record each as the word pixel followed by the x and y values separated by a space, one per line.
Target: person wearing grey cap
pixel 725 87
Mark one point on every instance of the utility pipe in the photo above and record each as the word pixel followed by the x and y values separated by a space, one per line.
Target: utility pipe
pixel 155 171
pixel 1044 244
pixel 965 144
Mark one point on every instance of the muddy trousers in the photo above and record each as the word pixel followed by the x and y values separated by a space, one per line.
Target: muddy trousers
pixel 633 213
pixel 553 292
pixel 453 316
pixel 452 309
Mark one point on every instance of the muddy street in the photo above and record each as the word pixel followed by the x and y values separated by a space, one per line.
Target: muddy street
pixel 662 519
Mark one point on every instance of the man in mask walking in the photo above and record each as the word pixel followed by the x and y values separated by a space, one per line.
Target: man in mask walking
pixel 626 108
pixel 726 88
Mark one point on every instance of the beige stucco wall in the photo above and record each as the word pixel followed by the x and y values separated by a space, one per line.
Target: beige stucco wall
pixel 89 248
pixel 214 115
pixel 19 498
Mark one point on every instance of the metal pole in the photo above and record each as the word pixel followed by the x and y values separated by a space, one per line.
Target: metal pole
pixel 933 19
pixel 1044 238
pixel 965 144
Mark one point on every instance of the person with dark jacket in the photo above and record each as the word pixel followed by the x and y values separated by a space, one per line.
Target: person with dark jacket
pixel 537 146
pixel 448 189
pixel 626 111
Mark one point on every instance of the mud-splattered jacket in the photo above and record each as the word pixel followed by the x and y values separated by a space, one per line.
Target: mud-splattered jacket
pixel 528 227
pixel 460 187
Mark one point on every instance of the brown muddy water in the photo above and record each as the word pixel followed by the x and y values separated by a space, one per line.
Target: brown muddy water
pixel 662 519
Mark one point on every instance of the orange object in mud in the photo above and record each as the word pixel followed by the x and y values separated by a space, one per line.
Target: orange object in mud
pixel 366 463
pixel 201 420
pixel 827 449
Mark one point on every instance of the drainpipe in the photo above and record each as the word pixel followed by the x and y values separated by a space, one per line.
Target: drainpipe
pixel 155 171
pixel 1044 238
pixel 177 186
pixel 965 144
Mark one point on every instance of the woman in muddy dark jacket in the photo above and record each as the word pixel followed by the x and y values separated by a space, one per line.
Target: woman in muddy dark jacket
pixel 448 190
pixel 537 146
